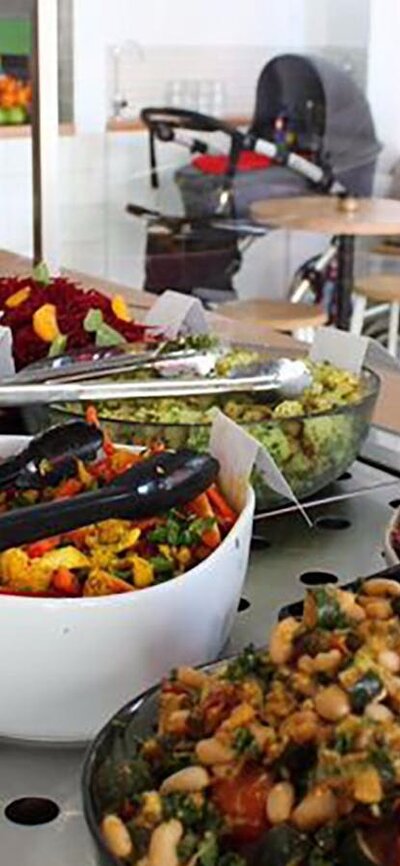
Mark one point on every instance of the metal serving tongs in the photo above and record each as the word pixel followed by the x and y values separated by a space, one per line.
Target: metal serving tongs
pixel 284 377
pixel 152 486
pixel 97 363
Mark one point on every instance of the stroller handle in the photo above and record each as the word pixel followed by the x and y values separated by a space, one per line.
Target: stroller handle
pixel 164 123
pixel 183 118
pixel 318 175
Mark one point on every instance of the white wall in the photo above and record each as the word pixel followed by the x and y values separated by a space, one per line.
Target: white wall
pixel 384 70
pixel 177 22
pixel 279 23
pixel 342 23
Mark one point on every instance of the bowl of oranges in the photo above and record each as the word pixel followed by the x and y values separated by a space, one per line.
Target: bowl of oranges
pixel 15 100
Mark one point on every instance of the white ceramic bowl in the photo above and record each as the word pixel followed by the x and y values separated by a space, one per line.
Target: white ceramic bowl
pixel 67 664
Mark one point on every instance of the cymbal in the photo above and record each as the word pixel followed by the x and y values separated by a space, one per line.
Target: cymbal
pixel 324 214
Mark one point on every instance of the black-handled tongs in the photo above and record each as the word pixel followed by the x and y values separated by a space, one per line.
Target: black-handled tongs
pixel 152 486
pixel 51 456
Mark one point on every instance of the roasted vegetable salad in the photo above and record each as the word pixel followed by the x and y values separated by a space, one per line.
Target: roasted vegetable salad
pixel 114 556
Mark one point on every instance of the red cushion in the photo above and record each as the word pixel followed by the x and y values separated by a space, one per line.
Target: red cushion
pixel 248 161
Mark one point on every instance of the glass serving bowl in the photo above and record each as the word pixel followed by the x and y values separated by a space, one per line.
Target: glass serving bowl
pixel 311 451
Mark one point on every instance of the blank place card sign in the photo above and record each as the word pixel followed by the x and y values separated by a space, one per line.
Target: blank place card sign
pixel 175 313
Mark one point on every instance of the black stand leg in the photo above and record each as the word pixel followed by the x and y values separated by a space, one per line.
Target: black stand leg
pixel 345 245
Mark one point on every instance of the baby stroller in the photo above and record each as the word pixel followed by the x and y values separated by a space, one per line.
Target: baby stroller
pixel 312 130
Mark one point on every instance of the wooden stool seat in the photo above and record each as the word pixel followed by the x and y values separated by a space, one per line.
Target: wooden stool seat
pixel 279 315
pixel 387 249
pixel 380 287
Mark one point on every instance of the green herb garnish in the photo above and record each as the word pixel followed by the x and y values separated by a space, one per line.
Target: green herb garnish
pixel 245 743
pixel 329 613
pixel 364 691
pixel 249 662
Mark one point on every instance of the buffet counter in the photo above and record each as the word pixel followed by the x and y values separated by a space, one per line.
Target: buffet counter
pixel 40 782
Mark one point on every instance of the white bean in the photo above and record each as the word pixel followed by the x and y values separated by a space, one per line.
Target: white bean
pixel 381 586
pixel 378 713
pixel 327 662
pixel 116 836
pixel 213 751
pixel 280 802
pixel 378 608
pixel 317 808
pixel 389 660
pixel 332 704
pixel 189 780
pixel 164 842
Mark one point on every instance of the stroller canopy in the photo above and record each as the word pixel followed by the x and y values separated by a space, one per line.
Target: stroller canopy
pixel 324 106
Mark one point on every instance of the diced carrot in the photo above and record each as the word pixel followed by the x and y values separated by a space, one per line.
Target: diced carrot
pixel 68 488
pixel 92 416
pixel 202 507
pixel 65 582
pixel 39 548
pixel 220 505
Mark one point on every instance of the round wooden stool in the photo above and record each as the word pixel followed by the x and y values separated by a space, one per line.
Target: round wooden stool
pixel 382 289
pixel 297 319
pixel 370 217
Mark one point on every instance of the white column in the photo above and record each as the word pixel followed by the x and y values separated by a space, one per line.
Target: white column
pixel 45 134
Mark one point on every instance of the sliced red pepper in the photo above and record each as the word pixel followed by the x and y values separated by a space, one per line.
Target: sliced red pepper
pixel 68 488
pixel 39 548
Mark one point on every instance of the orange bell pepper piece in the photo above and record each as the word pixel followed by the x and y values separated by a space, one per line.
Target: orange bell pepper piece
pixel 45 323
pixel 120 309
pixel 18 298
pixel 201 507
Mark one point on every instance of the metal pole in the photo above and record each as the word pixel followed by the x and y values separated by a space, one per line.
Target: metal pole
pixel 345 280
pixel 45 134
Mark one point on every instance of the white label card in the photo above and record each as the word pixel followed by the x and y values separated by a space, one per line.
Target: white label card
pixel 175 313
pixel 7 367
pixel 237 453
pixel 340 348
